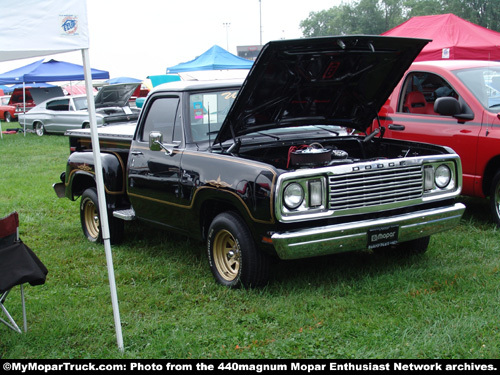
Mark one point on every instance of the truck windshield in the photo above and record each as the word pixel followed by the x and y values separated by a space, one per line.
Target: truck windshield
pixel 208 111
pixel 484 83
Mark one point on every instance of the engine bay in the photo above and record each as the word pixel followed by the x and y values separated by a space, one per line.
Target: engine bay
pixel 328 152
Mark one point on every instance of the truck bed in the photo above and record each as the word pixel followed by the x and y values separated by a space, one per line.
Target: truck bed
pixel 110 137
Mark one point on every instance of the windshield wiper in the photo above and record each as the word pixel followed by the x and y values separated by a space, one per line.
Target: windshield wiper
pixel 269 135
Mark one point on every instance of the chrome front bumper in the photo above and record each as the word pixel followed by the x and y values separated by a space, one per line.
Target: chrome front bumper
pixel 304 243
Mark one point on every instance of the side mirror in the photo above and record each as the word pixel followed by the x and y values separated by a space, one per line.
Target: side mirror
pixel 447 106
pixel 155 141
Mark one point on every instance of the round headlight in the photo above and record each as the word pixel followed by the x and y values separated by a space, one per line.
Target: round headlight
pixel 293 195
pixel 442 177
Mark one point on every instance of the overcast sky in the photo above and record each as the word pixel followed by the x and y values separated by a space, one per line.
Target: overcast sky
pixel 137 38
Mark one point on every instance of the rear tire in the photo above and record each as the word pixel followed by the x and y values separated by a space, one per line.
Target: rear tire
pixel 39 129
pixel 235 260
pixel 91 222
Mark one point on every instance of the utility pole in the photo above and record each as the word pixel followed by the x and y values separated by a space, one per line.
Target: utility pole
pixel 260 20
pixel 226 25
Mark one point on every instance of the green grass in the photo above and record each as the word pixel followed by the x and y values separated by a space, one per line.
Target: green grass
pixel 443 304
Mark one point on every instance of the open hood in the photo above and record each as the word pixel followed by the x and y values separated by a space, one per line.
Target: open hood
pixel 115 95
pixel 36 95
pixel 41 94
pixel 341 80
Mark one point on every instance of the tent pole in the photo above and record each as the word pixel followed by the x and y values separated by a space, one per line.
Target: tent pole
pixel 24 107
pixel 101 195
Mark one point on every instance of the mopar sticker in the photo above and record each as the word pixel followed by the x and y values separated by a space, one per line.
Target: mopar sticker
pixel 385 236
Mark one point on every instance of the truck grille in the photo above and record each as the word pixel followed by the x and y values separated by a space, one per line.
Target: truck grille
pixel 372 187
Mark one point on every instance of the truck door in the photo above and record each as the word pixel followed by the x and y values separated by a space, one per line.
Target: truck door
pixel 154 176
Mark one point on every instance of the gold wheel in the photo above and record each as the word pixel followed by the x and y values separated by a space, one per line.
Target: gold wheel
pixel 91 218
pixel 226 255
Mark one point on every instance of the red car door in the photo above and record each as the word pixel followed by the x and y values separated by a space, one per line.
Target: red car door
pixel 409 115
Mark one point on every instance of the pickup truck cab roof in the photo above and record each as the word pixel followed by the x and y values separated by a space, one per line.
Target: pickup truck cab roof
pixel 180 86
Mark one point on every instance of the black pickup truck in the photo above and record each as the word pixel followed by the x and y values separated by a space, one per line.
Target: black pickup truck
pixel 276 165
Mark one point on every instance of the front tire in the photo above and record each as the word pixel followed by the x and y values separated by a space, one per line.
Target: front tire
pixel 8 117
pixel 495 198
pixel 235 260
pixel 91 222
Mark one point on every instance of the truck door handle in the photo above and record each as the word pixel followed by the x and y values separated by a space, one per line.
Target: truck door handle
pixel 396 127
pixel 136 152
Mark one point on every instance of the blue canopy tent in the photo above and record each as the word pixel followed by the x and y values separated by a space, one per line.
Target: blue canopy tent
pixel 17 75
pixel 20 85
pixel 123 80
pixel 215 58
pixel 50 71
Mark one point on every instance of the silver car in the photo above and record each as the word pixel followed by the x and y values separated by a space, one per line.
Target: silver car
pixel 63 113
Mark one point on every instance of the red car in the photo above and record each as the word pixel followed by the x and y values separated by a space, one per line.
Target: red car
pixel 7 112
pixel 455 103
pixel 16 100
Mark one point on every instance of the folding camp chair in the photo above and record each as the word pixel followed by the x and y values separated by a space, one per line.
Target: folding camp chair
pixel 18 265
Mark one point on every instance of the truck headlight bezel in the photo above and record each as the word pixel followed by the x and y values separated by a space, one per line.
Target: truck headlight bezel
pixel 439 177
pixel 302 198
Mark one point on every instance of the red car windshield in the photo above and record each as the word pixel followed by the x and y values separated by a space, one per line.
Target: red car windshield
pixel 484 83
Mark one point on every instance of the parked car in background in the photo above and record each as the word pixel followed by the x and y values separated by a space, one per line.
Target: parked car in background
pixel 455 103
pixel 7 112
pixel 63 113
pixel 21 101
pixel 25 99
pixel 29 97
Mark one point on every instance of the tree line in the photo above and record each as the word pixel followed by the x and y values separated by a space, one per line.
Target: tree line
pixel 377 16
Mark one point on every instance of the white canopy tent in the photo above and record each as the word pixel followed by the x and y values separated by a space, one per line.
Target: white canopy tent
pixel 32 28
